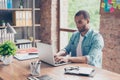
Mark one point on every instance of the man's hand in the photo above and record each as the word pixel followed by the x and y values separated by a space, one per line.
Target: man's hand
pixel 61 59
pixel 60 56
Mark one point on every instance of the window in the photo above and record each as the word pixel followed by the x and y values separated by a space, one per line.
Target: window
pixel 68 9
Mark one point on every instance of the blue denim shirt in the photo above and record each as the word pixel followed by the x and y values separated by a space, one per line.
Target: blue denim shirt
pixel 92 46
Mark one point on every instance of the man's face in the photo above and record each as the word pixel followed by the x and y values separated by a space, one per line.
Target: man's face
pixel 81 23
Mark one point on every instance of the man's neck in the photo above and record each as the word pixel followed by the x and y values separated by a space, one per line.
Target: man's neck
pixel 83 33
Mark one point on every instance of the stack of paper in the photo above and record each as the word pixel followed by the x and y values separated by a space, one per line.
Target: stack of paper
pixel 29 53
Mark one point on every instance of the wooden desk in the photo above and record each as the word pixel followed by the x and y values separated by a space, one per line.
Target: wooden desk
pixel 20 70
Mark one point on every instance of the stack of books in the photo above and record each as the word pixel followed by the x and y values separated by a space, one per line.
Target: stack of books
pixel 23 43
pixel 28 53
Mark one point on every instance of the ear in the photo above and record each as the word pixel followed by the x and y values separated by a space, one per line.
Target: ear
pixel 88 20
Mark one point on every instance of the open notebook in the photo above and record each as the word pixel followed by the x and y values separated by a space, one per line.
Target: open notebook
pixel 85 71
pixel 29 53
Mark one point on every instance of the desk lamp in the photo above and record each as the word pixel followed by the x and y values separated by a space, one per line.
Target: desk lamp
pixel 2 32
pixel 10 30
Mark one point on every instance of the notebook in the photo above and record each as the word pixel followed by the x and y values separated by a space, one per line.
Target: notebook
pixel 85 71
pixel 46 54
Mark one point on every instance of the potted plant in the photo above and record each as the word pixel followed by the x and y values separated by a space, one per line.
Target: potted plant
pixel 7 50
pixel 21 4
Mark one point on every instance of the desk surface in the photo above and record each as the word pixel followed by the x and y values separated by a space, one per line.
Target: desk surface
pixel 20 70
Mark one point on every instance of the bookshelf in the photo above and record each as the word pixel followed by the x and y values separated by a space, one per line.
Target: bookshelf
pixel 25 20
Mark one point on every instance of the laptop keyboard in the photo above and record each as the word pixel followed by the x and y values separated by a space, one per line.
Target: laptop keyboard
pixel 59 62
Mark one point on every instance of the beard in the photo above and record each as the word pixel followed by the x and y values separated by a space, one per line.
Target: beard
pixel 82 29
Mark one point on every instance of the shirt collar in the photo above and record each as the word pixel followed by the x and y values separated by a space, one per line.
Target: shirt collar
pixel 88 32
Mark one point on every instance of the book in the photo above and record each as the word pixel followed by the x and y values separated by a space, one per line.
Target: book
pixel 27 50
pixel 23 43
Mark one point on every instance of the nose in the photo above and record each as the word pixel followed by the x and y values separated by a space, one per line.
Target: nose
pixel 78 25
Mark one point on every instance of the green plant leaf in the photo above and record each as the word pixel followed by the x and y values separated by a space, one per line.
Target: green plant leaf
pixel 8 48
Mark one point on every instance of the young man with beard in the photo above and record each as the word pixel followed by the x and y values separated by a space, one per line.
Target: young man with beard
pixel 85 45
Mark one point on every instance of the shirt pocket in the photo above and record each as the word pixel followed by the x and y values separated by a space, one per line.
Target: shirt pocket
pixel 86 50
pixel 73 46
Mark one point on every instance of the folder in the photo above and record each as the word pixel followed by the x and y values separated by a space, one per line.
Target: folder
pixel 85 71
pixel 16 18
pixel 23 18
pixel 28 18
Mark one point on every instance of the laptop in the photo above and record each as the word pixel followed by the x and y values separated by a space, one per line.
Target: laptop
pixel 46 54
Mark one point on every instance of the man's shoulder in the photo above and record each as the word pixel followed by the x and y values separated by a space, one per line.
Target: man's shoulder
pixel 76 33
pixel 95 33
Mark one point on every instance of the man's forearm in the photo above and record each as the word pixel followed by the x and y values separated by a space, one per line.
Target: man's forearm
pixel 81 59
pixel 61 53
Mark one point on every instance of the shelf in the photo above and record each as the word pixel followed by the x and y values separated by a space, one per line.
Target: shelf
pixel 1 27
pixel 24 20
pixel 69 30
pixel 28 26
pixel 37 24
pixel 18 9
pixel 37 9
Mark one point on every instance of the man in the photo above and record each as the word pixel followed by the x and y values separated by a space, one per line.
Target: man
pixel 85 45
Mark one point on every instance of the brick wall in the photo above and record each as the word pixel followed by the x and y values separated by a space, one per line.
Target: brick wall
pixel 54 24
pixel 110 29
pixel 49 22
pixel 45 21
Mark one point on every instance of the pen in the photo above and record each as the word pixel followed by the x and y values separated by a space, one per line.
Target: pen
pixel 37 65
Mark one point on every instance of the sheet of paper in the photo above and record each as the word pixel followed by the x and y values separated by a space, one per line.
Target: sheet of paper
pixel 25 56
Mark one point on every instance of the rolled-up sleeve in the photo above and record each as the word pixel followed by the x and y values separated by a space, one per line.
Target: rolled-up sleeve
pixel 71 47
pixel 94 56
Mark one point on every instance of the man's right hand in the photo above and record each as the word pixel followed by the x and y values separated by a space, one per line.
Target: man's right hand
pixel 59 56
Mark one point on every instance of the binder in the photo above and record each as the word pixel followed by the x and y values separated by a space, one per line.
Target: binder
pixel 28 18
pixel 16 18
pixel 9 3
pixel 23 18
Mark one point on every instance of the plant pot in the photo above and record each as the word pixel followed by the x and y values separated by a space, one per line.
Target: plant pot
pixel 7 59
pixel 0 58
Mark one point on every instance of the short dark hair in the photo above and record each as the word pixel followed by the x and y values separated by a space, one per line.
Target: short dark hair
pixel 84 13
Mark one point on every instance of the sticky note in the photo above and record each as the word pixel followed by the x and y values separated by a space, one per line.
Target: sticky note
pixel 106 1
pixel 103 5
pixel 118 1
pixel 119 6
pixel 113 1
pixel 109 1
pixel 112 9
pixel 115 5
pixel 107 7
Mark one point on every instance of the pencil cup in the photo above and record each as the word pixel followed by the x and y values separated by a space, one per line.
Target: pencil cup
pixel 35 68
